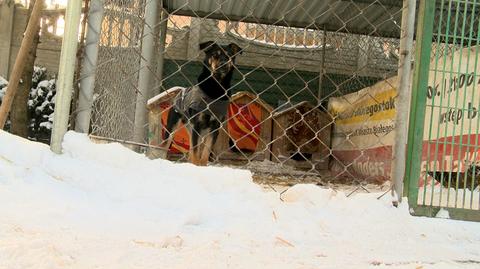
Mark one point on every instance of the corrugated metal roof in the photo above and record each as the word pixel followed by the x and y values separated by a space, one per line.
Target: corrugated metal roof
pixel 369 17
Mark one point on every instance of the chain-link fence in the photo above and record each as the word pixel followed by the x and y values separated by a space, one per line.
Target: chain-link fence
pixel 117 71
pixel 308 89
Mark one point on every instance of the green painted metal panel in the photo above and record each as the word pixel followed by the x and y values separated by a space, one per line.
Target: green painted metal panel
pixel 457 213
pixel 446 83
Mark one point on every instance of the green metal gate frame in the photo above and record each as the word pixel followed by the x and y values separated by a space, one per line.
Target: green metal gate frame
pixel 425 28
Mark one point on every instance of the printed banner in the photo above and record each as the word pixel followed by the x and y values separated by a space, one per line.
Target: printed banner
pixel 364 130
pixel 452 118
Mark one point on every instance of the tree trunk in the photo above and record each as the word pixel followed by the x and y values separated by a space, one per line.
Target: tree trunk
pixel 19 117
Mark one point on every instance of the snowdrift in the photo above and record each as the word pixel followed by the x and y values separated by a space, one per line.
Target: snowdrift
pixel 104 206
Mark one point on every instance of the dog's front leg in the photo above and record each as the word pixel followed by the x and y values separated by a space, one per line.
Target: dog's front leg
pixel 194 146
pixel 207 147
pixel 165 145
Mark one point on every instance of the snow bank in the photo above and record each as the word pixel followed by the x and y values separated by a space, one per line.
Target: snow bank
pixel 104 206
pixel 107 187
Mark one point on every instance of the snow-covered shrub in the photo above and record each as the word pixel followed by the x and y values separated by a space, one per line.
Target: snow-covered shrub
pixel 3 86
pixel 40 104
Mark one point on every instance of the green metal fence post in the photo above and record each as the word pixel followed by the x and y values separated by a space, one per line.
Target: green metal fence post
pixel 417 106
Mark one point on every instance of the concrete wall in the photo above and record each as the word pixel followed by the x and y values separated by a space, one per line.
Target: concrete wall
pixel 48 52
pixel 348 53
pixel 7 9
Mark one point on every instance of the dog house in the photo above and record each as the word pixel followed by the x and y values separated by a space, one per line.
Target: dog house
pixel 247 131
pixel 301 136
pixel 245 134
pixel 158 109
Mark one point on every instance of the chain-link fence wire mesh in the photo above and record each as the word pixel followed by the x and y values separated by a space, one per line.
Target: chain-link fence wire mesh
pixel 297 106
pixel 117 69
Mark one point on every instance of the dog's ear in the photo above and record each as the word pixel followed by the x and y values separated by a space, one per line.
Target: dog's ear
pixel 208 46
pixel 235 49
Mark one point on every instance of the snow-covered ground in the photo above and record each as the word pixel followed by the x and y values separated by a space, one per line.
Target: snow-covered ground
pixel 103 206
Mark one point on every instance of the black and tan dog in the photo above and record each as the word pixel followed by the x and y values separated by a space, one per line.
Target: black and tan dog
pixel 203 107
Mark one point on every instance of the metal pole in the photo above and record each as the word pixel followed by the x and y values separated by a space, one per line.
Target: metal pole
pixel 423 49
pixel 65 74
pixel 402 102
pixel 161 51
pixel 87 77
pixel 322 67
pixel 146 68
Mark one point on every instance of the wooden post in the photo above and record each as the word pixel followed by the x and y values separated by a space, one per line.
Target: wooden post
pixel 20 62
pixel 19 116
